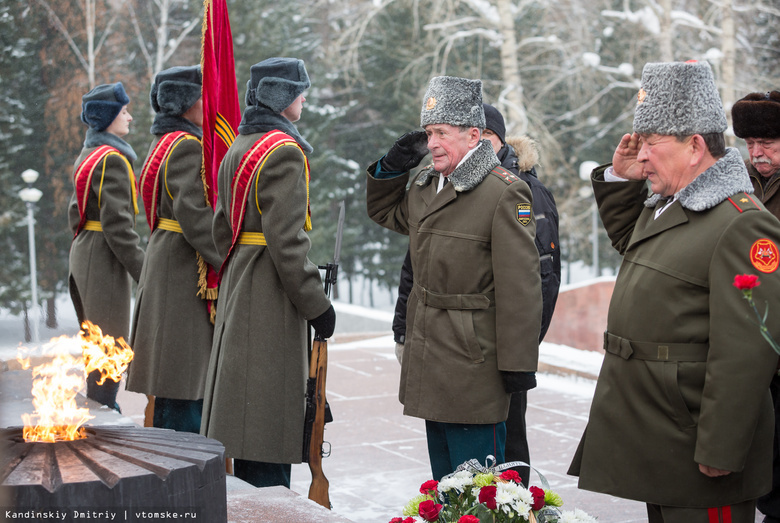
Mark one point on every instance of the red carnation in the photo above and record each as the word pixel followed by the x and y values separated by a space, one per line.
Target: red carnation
pixel 510 475
pixel 538 495
pixel 468 519
pixel 745 282
pixel 429 487
pixel 487 495
pixel 429 510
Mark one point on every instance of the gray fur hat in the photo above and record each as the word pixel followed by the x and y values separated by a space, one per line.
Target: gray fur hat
pixel 276 83
pixel 454 101
pixel 679 99
pixel 176 89
pixel 102 105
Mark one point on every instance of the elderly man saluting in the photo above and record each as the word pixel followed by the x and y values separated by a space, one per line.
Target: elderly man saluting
pixel 682 418
pixel 475 308
pixel 756 119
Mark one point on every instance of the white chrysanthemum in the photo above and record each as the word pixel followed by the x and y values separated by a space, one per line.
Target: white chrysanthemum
pixel 511 488
pixel 524 495
pixel 505 498
pixel 458 481
pixel 577 516
pixel 522 508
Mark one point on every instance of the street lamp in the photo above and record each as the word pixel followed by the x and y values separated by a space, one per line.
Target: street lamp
pixel 30 196
pixel 585 169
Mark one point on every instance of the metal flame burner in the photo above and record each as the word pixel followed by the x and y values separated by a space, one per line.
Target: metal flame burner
pixel 126 470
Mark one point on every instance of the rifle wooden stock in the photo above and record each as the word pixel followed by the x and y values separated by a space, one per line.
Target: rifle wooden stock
pixel 318 491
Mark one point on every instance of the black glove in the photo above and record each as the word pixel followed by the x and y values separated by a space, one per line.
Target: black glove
pixel 325 323
pixel 406 153
pixel 518 381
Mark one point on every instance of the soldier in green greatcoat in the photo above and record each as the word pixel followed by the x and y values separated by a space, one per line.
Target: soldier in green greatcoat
pixel 254 402
pixel 681 418
pixel 105 254
pixel 172 329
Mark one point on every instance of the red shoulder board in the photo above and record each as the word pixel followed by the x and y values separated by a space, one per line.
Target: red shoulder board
pixel 150 174
pixel 82 179
pixel 250 165
pixel 505 175
pixel 743 202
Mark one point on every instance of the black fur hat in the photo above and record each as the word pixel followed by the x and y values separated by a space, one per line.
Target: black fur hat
pixel 102 105
pixel 757 115
pixel 176 89
pixel 276 83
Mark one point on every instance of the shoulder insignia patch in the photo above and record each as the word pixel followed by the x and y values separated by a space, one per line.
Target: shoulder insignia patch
pixel 524 213
pixel 743 201
pixel 505 175
pixel 764 255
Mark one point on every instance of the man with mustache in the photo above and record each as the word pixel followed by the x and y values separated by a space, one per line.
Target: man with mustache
pixel 756 119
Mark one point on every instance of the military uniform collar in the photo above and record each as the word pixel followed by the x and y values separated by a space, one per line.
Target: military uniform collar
pixel 727 177
pixel 470 172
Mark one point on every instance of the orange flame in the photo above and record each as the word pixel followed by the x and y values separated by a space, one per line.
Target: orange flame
pixel 57 416
pixel 102 353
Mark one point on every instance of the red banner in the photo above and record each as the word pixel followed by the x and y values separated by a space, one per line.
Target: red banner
pixel 221 112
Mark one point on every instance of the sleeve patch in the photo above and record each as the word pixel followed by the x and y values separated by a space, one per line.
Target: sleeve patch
pixel 763 255
pixel 524 213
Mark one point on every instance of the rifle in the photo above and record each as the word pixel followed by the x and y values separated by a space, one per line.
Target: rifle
pixel 314 421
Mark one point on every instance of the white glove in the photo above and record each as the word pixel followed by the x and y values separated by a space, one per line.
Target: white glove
pixel 399 351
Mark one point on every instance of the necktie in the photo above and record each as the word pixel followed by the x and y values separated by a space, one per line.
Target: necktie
pixel 660 206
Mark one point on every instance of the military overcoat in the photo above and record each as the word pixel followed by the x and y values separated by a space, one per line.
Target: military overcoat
pixel 102 263
pixel 685 378
pixel 172 333
pixel 255 390
pixel 472 313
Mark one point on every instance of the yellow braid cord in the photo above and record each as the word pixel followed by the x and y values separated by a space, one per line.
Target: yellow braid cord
pixel 130 174
pixel 93 225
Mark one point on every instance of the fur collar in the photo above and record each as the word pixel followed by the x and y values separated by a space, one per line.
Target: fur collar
pixel 261 119
pixel 97 138
pixel 526 149
pixel 727 177
pixel 168 123
pixel 471 172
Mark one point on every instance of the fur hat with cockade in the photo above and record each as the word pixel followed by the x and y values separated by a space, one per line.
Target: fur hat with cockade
pixel 276 83
pixel 176 89
pixel 757 116
pixel 454 101
pixel 102 105
pixel 679 99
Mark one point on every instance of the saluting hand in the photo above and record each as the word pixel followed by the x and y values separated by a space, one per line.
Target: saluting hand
pixel 625 163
